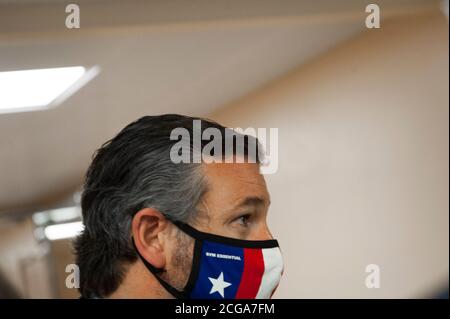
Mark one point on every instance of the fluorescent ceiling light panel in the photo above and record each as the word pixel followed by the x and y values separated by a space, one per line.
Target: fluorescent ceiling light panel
pixel 62 231
pixel 27 90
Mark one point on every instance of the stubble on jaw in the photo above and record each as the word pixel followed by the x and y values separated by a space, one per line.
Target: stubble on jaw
pixel 181 261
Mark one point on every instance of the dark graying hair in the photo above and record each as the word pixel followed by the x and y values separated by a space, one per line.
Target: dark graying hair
pixel 130 172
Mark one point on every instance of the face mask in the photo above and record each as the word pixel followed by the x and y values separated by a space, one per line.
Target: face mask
pixel 228 268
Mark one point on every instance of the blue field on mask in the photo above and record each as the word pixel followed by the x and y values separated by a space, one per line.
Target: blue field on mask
pixel 222 263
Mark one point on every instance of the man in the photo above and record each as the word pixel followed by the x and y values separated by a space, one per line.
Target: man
pixel 158 227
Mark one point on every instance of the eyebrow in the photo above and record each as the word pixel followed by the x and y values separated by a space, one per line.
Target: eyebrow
pixel 251 201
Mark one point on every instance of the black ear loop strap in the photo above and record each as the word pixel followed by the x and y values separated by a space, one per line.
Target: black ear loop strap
pixel 155 271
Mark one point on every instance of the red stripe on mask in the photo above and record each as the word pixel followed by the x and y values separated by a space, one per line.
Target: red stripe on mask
pixel 252 274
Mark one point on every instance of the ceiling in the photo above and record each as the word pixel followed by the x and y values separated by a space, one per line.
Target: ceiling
pixel 155 57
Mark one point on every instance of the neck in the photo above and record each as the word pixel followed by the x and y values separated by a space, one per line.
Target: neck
pixel 139 283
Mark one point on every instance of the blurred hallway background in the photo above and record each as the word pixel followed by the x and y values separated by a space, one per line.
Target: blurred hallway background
pixel 362 116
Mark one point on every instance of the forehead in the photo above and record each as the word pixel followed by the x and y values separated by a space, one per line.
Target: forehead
pixel 229 183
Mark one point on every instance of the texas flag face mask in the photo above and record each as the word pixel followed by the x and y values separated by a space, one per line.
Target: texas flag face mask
pixel 228 268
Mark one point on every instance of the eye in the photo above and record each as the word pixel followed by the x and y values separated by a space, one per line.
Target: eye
pixel 243 220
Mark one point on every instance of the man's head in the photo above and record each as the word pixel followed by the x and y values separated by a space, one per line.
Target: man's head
pixel 135 191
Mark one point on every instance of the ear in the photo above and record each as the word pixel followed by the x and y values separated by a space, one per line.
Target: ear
pixel 147 229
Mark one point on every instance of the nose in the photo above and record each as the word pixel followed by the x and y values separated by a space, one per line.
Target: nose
pixel 269 234
pixel 265 233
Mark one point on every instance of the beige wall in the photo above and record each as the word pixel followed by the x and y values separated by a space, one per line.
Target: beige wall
pixel 363 167
pixel 24 262
pixel 33 269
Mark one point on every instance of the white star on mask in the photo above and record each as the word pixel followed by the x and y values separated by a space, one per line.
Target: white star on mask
pixel 218 285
